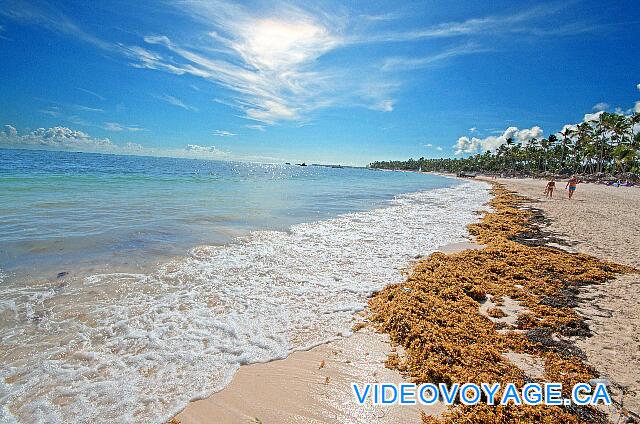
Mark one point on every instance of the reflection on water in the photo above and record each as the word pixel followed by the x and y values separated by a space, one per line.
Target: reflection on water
pixel 138 284
pixel 61 211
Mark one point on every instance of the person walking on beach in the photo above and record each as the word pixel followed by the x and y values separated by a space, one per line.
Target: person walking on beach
pixel 571 185
pixel 551 185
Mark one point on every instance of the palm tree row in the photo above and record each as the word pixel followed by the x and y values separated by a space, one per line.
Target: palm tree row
pixel 608 144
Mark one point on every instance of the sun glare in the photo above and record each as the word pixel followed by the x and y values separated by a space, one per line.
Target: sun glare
pixel 275 44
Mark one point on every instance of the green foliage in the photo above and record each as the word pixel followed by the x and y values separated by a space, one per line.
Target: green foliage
pixel 609 145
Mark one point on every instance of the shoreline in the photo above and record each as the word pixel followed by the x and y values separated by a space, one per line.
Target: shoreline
pixel 314 384
pixel 305 364
pixel 598 221
pixel 184 330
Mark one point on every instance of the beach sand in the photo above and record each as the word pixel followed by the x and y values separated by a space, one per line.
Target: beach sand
pixel 315 385
pixel 299 389
pixel 604 222
pixel 311 386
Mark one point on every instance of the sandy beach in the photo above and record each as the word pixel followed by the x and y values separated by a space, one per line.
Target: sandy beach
pixel 601 221
pixel 314 385
pixel 311 386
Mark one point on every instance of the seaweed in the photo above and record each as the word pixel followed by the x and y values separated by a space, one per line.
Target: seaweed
pixel 435 314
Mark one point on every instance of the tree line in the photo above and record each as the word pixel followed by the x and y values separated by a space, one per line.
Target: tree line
pixel 608 144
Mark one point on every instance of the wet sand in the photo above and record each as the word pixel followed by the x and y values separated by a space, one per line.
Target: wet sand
pixel 313 386
pixel 604 222
pixel 309 387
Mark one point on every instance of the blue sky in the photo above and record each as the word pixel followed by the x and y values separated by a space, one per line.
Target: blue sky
pixel 332 82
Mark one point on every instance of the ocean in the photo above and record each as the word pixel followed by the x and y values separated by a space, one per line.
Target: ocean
pixel 131 285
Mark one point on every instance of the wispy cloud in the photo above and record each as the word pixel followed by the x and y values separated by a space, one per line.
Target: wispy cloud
pixel 83 108
pixel 176 102
pixel 94 94
pixel 48 17
pixel 268 62
pixel 74 119
pixel 410 63
pixel 270 59
pixel 117 127
pixel 222 133
pixel 52 111
pixel 256 127
pixel 527 22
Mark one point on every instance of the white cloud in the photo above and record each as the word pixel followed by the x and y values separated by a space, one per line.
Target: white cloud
pixel 269 58
pixel 9 131
pixel 256 127
pixel 592 116
pixel 466 145
pixel 566 127
pixel 56 137
pixel 94 94
pixel 411 63
pixel 83 108
pixel 533 21
pixel 600 106
pixel 473 130
pixel 636 109
pixel 383 105
pixel 221 133
pixel 52 111
pixel 63 138
pixel 176 102
pixel 117 127
pixel 204 150
pixel 431 146
pixel 638 86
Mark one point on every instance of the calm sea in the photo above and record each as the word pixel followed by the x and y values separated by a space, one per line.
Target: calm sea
pixel 130 285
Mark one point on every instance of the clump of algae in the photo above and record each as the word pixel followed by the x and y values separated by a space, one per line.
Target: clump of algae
pixel 435 315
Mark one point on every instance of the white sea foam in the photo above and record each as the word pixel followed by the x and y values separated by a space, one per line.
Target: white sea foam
pixel 138 347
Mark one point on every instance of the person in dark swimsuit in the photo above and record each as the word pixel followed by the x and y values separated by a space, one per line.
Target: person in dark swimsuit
pixel 551 185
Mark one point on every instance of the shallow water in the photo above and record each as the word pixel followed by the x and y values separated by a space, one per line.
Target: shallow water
pixel 264 259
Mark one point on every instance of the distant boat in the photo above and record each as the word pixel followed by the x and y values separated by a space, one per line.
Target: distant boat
pixel 301 164
pixel 287 163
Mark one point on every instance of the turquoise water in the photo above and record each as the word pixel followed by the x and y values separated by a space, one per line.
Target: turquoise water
pixel 60 210
pixel 132 285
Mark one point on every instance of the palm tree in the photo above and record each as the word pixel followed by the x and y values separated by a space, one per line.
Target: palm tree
pixel 624 156
pixel 634 120
pixel 601 127
pixel 566 134
pixel 583 138
pixel 609 143
pixel 545 144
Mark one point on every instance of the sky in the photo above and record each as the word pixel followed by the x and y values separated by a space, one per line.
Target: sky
pixel 319 82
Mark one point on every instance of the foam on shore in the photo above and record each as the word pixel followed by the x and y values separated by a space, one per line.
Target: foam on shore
pixel 138 347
